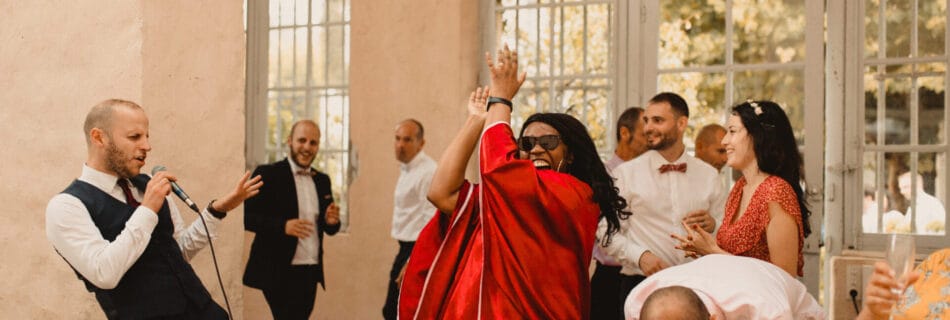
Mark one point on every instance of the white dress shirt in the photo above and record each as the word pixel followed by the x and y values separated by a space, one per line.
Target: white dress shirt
pixel 75 236
pixel 308 207
pixel 733 287
pixel 659 202
pixel 411 209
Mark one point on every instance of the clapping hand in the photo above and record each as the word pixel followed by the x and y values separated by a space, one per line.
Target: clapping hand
pixel 697 242
pixel 477 101
pixel 505 80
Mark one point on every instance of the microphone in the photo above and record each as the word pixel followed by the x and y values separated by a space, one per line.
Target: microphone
pixel 177 190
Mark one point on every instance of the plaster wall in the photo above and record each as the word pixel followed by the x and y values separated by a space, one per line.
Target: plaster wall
pixel 181 60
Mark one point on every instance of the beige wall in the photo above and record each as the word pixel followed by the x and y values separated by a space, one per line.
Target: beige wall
pixel 182 60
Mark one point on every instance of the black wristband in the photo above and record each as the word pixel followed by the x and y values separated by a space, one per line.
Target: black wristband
pixel 503 101
pixel 216 213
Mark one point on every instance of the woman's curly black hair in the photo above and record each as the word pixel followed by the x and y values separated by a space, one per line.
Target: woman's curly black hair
pixel 586 166
pixel 775 148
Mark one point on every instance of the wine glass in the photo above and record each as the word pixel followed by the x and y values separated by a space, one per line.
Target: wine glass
pixel 900 256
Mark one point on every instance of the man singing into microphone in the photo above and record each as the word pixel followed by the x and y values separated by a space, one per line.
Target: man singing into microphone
pixel 121 233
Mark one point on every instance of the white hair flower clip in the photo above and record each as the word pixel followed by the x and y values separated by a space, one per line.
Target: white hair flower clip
pixel 755 107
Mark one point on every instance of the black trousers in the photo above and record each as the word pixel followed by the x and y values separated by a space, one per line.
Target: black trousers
pixel 606 301
pixel 293 297
pixel 391 308
pixel 209 311
pixel 627 283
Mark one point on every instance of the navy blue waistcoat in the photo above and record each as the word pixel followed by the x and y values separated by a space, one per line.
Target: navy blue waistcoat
pixel 160 282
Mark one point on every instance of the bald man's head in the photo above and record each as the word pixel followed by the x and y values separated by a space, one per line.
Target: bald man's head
pixel 101 115
pixel 674 303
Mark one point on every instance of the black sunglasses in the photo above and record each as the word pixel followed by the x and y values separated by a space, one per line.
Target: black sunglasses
pixel 548 142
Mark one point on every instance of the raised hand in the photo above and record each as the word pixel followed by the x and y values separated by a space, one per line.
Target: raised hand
pixel 477 101
pixel 505 80
pixel 244 189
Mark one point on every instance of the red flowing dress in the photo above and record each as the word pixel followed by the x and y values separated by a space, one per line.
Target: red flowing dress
pixel 517 246
pixel 746 236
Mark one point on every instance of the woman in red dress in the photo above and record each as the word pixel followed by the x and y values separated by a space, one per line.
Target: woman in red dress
pixel 766 216
pixel 518 244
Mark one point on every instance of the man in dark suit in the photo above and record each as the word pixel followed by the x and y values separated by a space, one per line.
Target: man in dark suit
pixel 289 217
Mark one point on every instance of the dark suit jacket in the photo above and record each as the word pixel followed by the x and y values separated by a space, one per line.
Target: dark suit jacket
pixel 268 212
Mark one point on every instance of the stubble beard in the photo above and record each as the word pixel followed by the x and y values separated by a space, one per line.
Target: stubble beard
pixel 116 160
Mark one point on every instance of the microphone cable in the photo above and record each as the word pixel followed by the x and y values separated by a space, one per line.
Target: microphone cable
pixel 216 269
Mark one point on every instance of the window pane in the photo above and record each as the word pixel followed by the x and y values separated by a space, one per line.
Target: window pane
pixel 926 208
pixel 899 15
pixel 704 94
pixel 318 68
pixel 769 31
pixel 692 33
pixel 894 219
pixel 931 111
pixel 527 41
pixel 897 110
pixel 334 10
pixel 273 62
pixel 785 87
pixel 301 10
pixel 871 125
pixel 872 26
pixel 285 13
pixel 875 200
pixel 595 116
pixel 598 35
pixel 300 58
pixel 318 12
pixel 334 61
pixel 931 28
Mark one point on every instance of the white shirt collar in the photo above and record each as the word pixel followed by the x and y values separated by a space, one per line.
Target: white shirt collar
pixel 99 179
pixel 294 167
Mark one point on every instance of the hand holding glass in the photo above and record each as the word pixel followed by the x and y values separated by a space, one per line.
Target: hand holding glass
pixel 900 256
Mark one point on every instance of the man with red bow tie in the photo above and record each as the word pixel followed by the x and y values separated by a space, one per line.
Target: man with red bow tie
pixel 663 188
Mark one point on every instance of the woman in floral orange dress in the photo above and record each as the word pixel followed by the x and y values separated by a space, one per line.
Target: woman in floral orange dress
pixel 766 216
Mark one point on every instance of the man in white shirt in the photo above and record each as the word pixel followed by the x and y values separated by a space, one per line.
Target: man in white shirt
pixel 664 187
pixel 411 209
pixel 123 235
pixel 930 215
pixel 729 287
pixel 606 299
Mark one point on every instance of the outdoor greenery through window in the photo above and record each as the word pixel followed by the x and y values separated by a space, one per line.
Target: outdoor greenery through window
pixel 719 53
pixel 904 159
pixel 565 47
pixel 307 78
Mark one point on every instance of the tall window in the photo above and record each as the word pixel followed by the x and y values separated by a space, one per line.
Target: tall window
pixel 719 53
pixel 298 66
pixel 565 47
pixel 904 93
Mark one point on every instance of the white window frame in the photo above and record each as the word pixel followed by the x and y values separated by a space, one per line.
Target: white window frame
pixel 851 62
